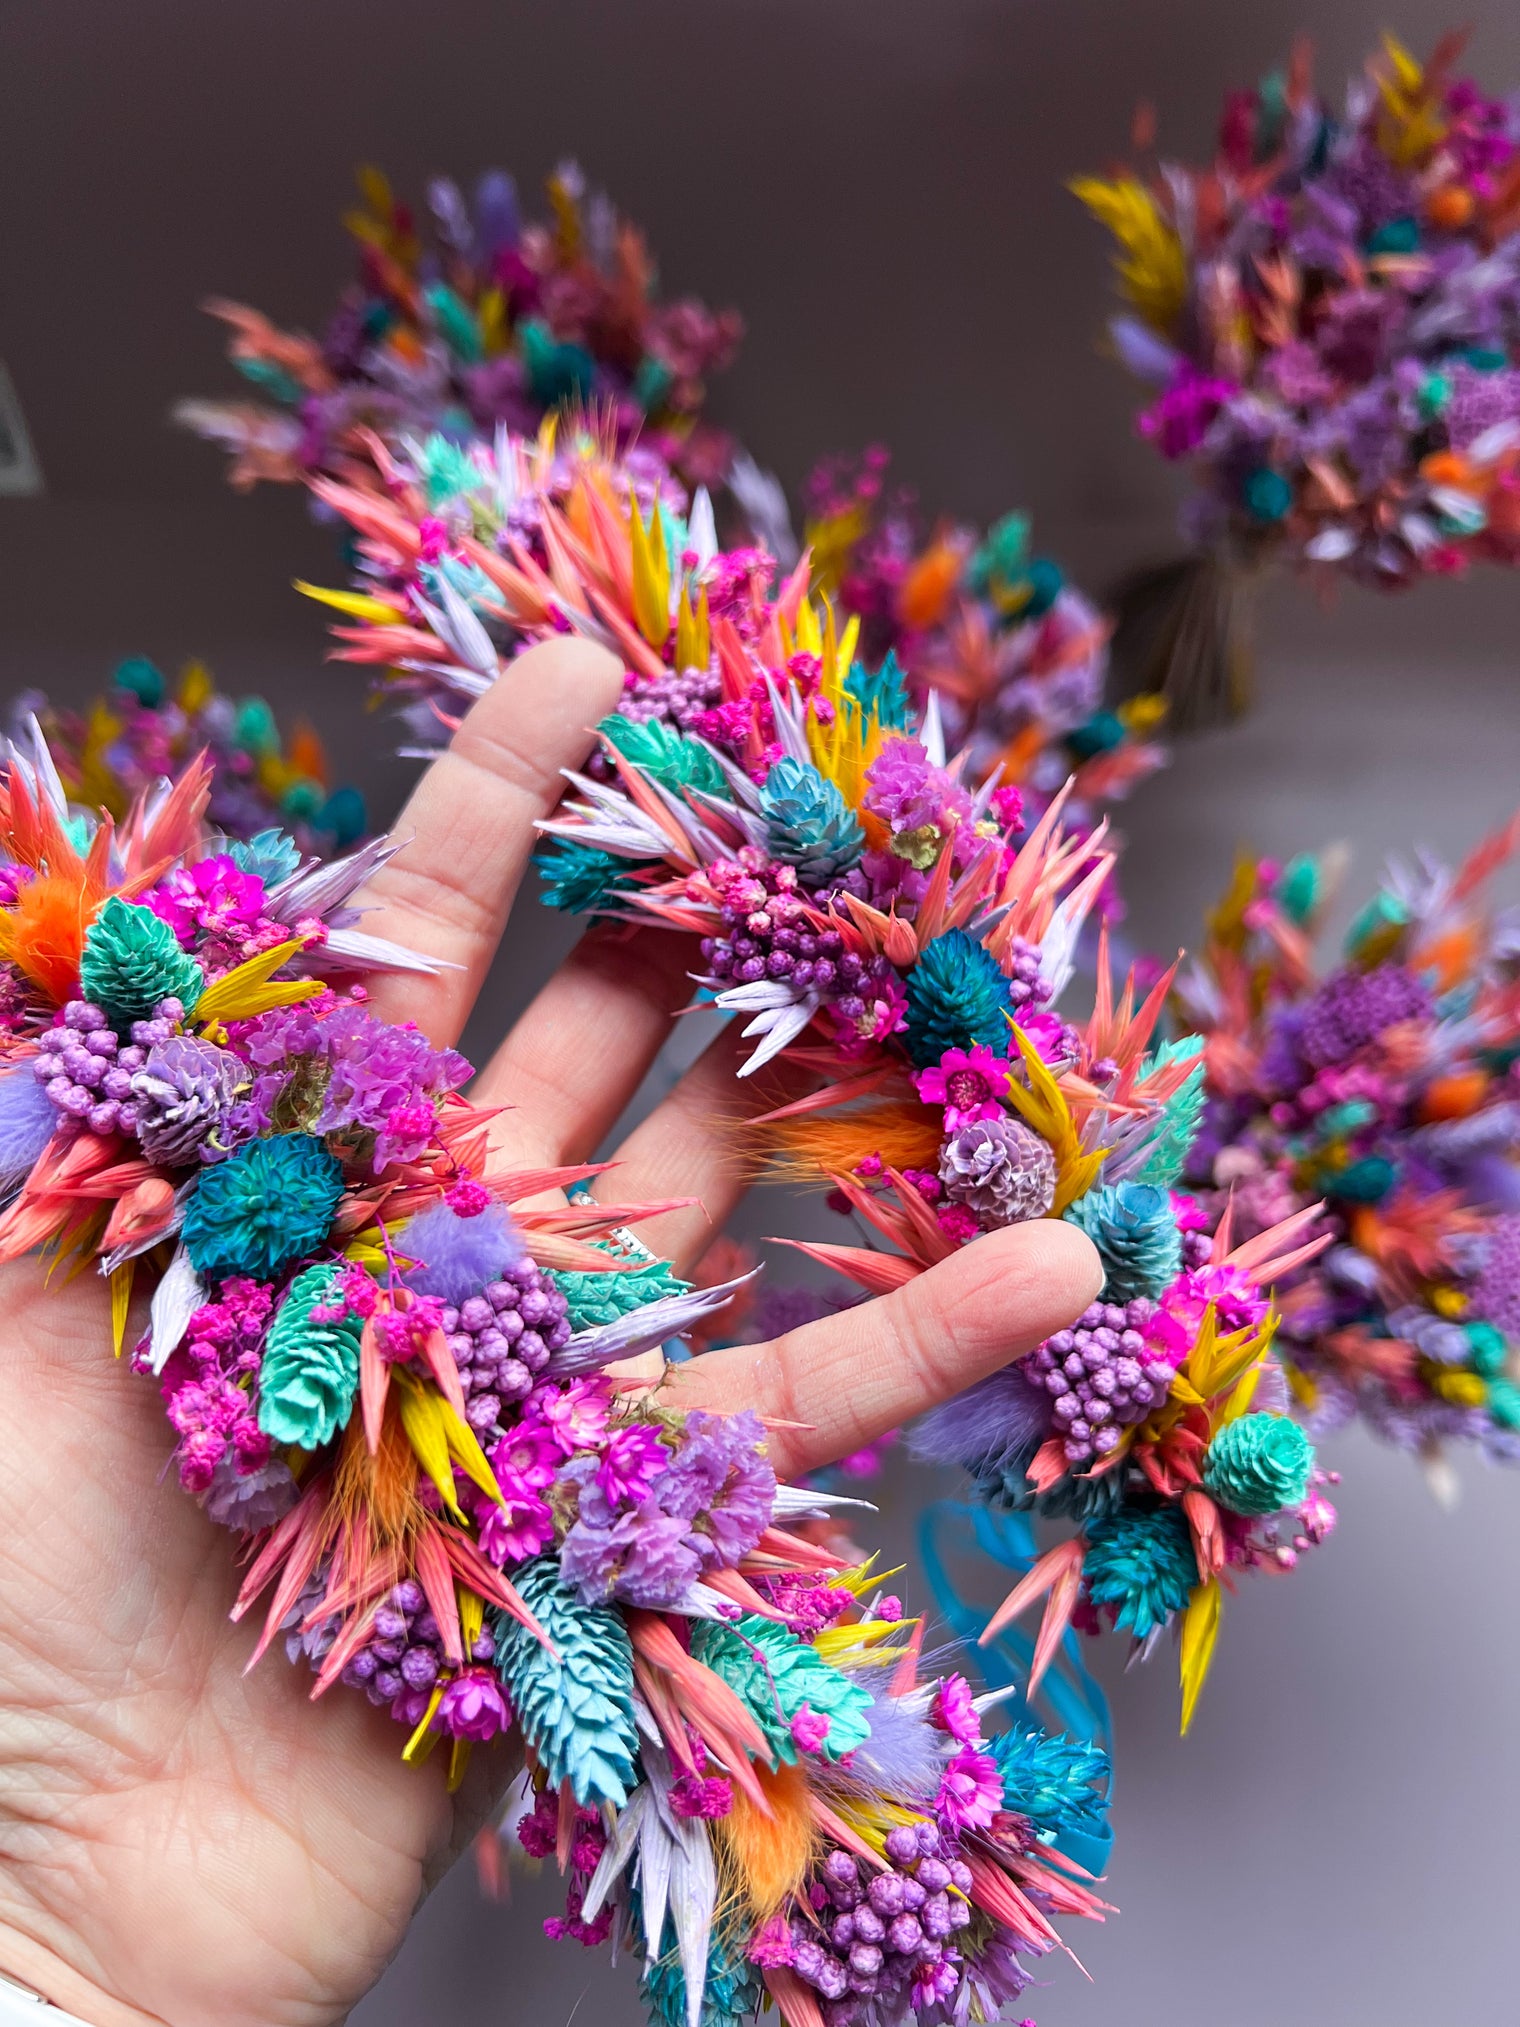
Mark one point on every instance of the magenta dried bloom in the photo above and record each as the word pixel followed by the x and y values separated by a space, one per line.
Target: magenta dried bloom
pixel 473 1706
pixel 214 896
pixel 970 1792
pixel 969 1083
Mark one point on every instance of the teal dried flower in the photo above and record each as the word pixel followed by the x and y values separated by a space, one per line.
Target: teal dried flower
pixel 1179 1123
pixel 557 372
pixel 262 1209
pixel 580 878
pixel 456 322
pixel 575 1705
pixel 1140 1563
pixel 1003 557
pixel 1052 1780
pixel 131 961
pixel 1259 1464
pixel 310 1370
pixel 808 823
pixel 1134 1228
pixel 775 1674
pixel 731 1992
pixel 595 1300
pixel 665 755
pixel 446 469
pixel 957 996
pixel 882 693
pixel 270 856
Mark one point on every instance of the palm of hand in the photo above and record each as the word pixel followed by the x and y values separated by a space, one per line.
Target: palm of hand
pixel 181 1842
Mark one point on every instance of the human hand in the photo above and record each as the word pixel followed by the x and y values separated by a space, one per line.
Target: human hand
pixel 182 1843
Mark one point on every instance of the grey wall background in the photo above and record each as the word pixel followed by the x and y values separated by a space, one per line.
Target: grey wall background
pixel 877 184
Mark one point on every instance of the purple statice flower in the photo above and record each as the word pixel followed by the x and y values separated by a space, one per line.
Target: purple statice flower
pixel 910 794
pixel 1178 420
pixel 641 1554
pixel 1478 401
pixel 454 1254
pixel 366 1075
pixel 1352 1008
pixel 1369 184
pixel 720 1484
pixel 214 897
pixel 1297 374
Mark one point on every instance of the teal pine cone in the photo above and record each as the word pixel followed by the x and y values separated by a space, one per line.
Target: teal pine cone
pixel 1258 1465
pixel 731 1992
pixel 775 1683
pixel 1140 1564
pixel 1134 1228
pixel 575 1705
pixel 808 823
pixel 131 961
pixel 664 754
pixel 957 995
pixel 310 1371
pixel 1052 1780
pixel 595 1300
pixel 579 879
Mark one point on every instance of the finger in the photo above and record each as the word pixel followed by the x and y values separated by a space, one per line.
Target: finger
pixel 579 1053
pixel 850 1378
pixel 690 1146
pixel 467 829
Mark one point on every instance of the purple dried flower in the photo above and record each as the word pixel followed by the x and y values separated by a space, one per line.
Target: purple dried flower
pixel 185 1092
pixel 1001 1170
pixel 1352 1008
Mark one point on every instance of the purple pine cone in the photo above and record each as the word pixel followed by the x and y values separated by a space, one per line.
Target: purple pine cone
pixel 184 1091
pixel 1001 1170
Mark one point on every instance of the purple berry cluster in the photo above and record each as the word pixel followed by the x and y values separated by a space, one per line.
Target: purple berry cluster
pixel 771 935
pixel 677 697
pixel 403 1657
pixel 873 1939
pixel 1027 984
pixel 502 1339
pixel 1102 1375
pixel 88 1074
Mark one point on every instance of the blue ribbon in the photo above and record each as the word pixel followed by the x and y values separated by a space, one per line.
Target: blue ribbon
pixel 1068 1699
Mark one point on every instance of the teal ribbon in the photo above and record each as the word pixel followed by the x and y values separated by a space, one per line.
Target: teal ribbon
pixel 1068 1699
